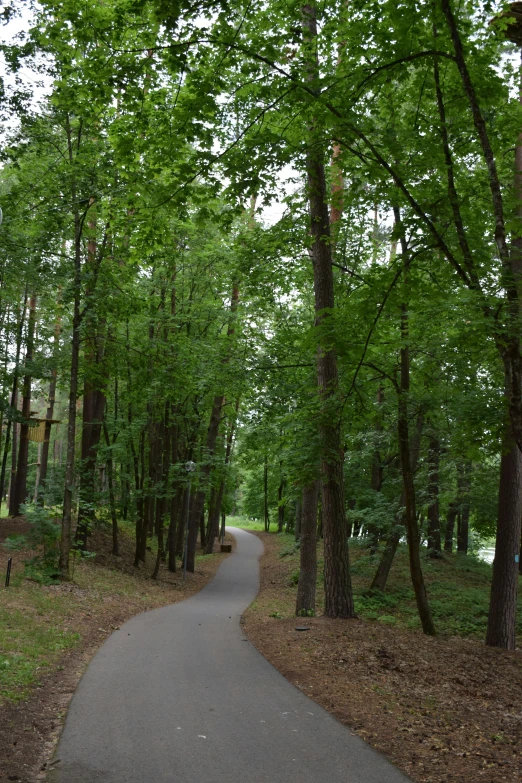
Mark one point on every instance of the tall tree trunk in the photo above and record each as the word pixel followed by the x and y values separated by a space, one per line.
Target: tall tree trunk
pixel 450 526
pixel 67 515
pixel 298 517
pixel 216 510
pixel 14 394
pixel 280 506
pixel 380 579
pixel 49 415
pixel 464 487
pixel 14 459
pixel 377 471
pixel 197 506
pixel 112 501
pixel 501 630
pixel 20 490
pixel 434 537
pixel 306 587
pixel 337 581
pixel 265 495
pixel 412 528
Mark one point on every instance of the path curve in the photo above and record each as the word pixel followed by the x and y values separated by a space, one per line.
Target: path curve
pixel 178 694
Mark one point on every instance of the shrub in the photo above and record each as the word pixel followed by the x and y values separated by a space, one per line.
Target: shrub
pixel 44 535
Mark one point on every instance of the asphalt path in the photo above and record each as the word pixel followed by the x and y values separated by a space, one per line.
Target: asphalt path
pixel 179 694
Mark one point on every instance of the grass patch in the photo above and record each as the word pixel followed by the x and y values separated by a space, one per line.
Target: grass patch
pixel 245 524
pixel 39 622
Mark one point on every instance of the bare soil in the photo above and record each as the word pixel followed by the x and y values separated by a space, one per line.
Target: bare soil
pixel 29 729
pixel 442 710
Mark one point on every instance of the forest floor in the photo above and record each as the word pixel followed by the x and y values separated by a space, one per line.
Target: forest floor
pixel 49 633
pixel 444 710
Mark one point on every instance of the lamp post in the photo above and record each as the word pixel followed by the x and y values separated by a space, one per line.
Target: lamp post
pixel 190 467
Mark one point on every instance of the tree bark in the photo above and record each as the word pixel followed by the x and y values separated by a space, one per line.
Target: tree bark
pixel 306 587
pixel 265 495
pixel 403 390
pixel 112 502
pixel 380 579
pixel 49 415
pixel 66 539
pixel 434 537
pixel 14 395
pixel 450 526
pixel 501 630
pixel 464 486
pixel 337 580
pixel 20 489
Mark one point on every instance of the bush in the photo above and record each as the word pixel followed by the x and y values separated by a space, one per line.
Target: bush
pixel 44 534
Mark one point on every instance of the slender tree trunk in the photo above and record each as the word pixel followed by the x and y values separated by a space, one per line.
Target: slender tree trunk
pixel 377 471
pixel 49 415
pixel 306 587
pixel 298 518
pixel 14 458
pixel 112 501
pixel 265 495
pixel 380 579
pixel 464 486
pixel 216 511
pixel 204 473
pixel 280 506
pixel 337 581
pixel 14 395
pixel 67 516
pixel 434 537
pixel 412 528
pixel 450 526
pixel 20 490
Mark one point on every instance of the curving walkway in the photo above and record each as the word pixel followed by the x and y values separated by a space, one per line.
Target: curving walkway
pixel 178 694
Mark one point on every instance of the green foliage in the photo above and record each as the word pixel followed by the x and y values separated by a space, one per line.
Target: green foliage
pixel 43 535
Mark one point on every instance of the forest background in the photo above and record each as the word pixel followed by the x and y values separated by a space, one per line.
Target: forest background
pixel 352 370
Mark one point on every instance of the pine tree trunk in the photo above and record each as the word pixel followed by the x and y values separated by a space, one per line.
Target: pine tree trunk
pixel 306 587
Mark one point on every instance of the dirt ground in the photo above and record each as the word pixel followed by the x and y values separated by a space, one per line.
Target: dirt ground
pixel 443 710
pixel 29 729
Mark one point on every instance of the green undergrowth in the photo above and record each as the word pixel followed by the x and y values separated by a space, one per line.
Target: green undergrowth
pixel 38 621
pixel 458 590
pixel 245 524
